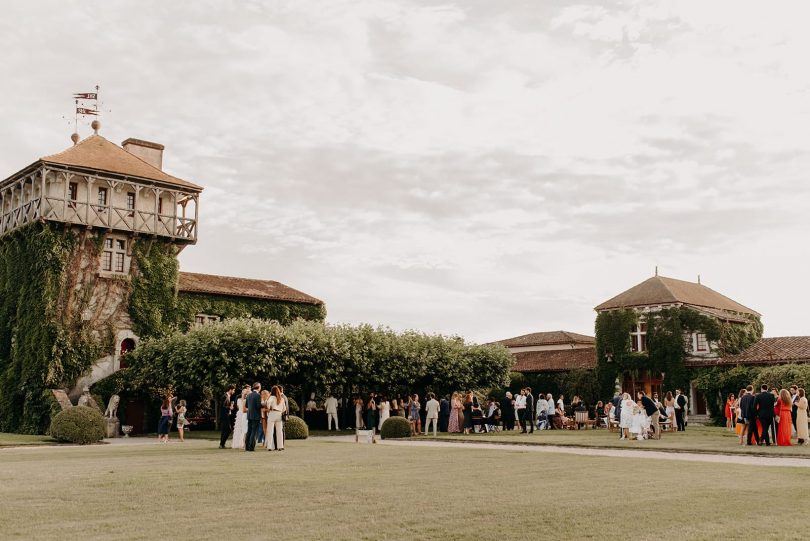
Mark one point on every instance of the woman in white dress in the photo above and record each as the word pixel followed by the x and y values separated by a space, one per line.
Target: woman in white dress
pixel 626 419
pixel 240 425
pixel 385 410
pixel 275 406
pixel 637 427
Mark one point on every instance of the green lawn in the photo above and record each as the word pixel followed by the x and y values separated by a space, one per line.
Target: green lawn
pixel 14 440
pixel 695 439
pixel 318 489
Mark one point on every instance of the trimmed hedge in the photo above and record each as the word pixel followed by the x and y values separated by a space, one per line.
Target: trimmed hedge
pixel 79 424
pixel 295 428
pixel 395 427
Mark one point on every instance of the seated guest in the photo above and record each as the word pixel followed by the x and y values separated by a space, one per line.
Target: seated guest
pixel 493 415
pixel 542 412
pixel 477 415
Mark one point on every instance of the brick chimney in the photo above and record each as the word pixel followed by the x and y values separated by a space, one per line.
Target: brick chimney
pixel 151 153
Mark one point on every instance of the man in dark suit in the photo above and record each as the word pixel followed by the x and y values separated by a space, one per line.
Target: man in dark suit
pixel 444 414
pixel 528 419
pixel 652 412
pixel 794 410
pixel 748 413
pixel 254 417
pixel 225 421
pixel 764 403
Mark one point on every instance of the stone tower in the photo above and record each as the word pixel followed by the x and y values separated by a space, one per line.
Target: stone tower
pixel 104 199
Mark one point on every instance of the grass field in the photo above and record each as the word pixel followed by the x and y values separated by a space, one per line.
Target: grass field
pixel 15 440
pixel 318 489
pixel 695 439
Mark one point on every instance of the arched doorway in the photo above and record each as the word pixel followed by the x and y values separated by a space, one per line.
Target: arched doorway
pixel 127 345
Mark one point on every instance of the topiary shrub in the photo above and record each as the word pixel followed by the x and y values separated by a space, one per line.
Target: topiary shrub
pixel 295 428
pixel 80 425
pixel 395 427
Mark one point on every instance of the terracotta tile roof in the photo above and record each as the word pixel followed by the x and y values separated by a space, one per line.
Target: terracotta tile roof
pixel 662 290
pixel 547 339
pixel 558 360
pixel 99 154
pixel 192 282
pixel 775 350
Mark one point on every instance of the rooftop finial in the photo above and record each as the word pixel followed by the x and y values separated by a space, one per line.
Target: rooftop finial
pixel 698 278
pixel 75 138
pixel 95 125
pixel 656 270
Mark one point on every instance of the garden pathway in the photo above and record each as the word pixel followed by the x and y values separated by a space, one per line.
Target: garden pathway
pixel 616 453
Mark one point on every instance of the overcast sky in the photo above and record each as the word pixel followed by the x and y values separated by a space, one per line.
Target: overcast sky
pixel 478 168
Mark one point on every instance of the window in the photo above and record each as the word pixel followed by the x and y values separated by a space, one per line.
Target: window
pixel 204 319
pixel 102 198
pixel 638 338
pixel 160 205
pixel 701 344
pixel 73 194
pixel 131 203
pixel 106 261
pixel 114 256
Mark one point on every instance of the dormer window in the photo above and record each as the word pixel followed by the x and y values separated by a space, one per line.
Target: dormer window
pixel 638 338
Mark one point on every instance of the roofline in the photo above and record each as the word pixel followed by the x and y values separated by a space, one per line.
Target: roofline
pixel 315 301
pixel 191 187
pixel 601 307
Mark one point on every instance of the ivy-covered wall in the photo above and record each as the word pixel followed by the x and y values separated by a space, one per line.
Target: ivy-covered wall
pixel 157 309
pixel 191 304
pixel 47 337
pixel 666 350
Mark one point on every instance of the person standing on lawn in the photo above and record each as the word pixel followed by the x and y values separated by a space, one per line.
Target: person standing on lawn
pixel 431 414
pixel 801 418
pixel 764 406
pixel 784 406
pixel 414 415
pixel 276 405
pixel 520 409
pixel 253 404
pixel 225 408
pixel 529 418
pixel 652 412
pixel 617 412
pixel 551 412
pixel 680 410
pixel 508 412
pixel 453 424
pixel 794 396
pixel 331 407
pixel 444 414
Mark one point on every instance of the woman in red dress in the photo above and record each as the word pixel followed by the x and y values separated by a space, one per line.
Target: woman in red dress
pixel 785 423
pixel 730 411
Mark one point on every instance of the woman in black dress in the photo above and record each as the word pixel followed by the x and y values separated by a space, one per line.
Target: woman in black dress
pixel 468 403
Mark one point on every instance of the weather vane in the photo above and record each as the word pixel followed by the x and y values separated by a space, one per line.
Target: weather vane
pixel 86 105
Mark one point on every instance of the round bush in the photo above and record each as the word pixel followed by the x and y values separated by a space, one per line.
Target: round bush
pixel 295 428
pixel 294 409
pixel 79 424
pixel 395 427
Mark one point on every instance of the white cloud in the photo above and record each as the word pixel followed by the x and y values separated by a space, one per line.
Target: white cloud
pixel 478 168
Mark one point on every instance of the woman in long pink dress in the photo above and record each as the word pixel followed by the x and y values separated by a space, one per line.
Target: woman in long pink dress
pixel 784 406
pixel 455 413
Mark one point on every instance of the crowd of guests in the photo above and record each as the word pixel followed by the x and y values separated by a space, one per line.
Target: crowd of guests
pixel 255 416
pixel 769 416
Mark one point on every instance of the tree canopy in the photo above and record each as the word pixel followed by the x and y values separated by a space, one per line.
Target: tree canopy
pixel 310 354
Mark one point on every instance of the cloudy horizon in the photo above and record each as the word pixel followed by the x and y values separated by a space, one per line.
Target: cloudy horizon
pixel 473 168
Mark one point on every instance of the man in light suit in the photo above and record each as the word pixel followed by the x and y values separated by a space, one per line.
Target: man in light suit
pixel 330 405
pixel 431 414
